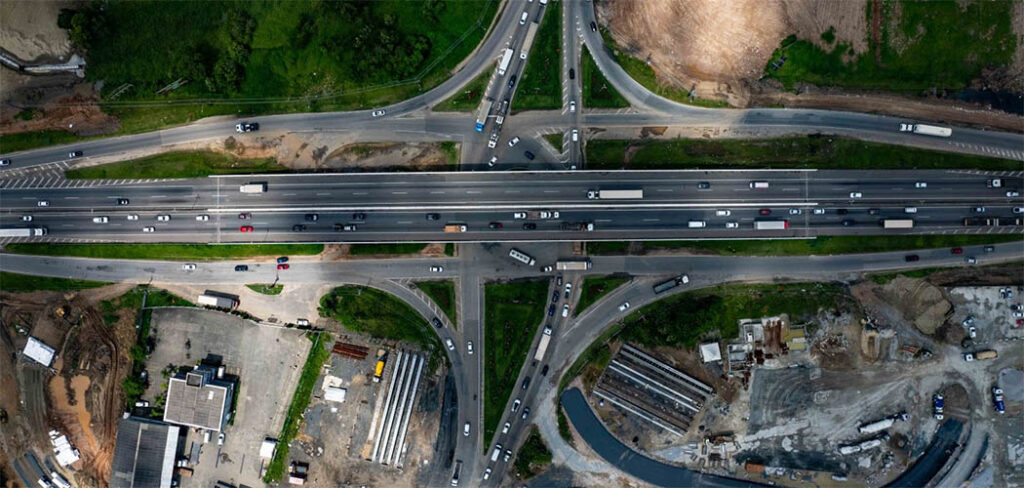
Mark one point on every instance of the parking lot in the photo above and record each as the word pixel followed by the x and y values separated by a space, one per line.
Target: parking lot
pixel 267 362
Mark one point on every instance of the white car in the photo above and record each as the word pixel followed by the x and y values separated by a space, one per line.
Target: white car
pixel 575 135
pixel 188 267
pixel 1018 209
pixel 723 213
pixel 732 225
pixel 148 229
pixel 920 184
pixel 220 439
pixel 133 217
pixel 572 106
pixel 519 215
pixel 491 144
pixel 487 473
pixel 547 269
pixel 546 214
pixel 43 203
pixel 1018 315
pixel 1013 193
pixel 856 194
pixel 163 218
pixel 494 159
pixel 450 344
pixel 469 347
pixel 202 217
pixel 795 211
pixel 436 269
pixel 26 218
pixel 819 211
pixel 508 425
pixel 971 260
pixel 516 404
pixel 100 220
pixel 972 331
pixel 302 322
pixel 910 210
pixel 378 113
pixel 513 142
pixel 465 430
pixel 565 310
pixel 624 306
pixel 568 289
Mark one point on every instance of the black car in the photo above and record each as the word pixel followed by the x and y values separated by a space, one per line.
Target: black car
pixel 298 228
pixel 312 217
pixel 512 81
pixel 122 201
pixel 526 413
pixel 529 155
pixel 529 226
pixel 848 222
pixel 75 154
pixel 282 260
pixel 359 216
pixel 554 296
pixel 593 26
pixel 551 311
pixel 558 281
pixel 990 248
pixel 544 370
pixel 703 185
pixel 911 258
pixel 242 267
pixel 5 162
pixel 526 383
pixel 495 225
pixel 572 74
pixel 842 211
pixel 437 322
pixel 433 216
pixel 873 211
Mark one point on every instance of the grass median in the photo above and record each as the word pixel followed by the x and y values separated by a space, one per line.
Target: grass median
pixel 197 252
pixel 597 91
pixel 443 294
pixel 595 287
pixel 196 164
pixel 19 283
pixel 390 249
pixel 812 151
pixel 266 289
pixel 533 457
pixel 541 88
pixel 825 245
pixel 512 313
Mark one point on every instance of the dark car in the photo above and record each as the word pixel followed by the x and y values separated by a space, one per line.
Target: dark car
pixel 282 260
pixel 544 370
pixel 437 322
pixel 989 248
pixel 873 211
pixel 359 216
pixel 765 211
pixel 551 311
pixel 529 226
pixel 433 216
pixel 312 217
pixel 298 228
pixel 122 201
pixel 244 216
pixel 848 222
pixel 75 154
pixel 495 225
pixel 555 295
pixel 572 74
pixel 242 267
pixel 529 155
pixel 957 250
pixel 842 211
pixel 593 26
pixel 910 258
pixel 558 281
pixel 512 81
pixel 526 383
pixel 703 185
pixel 5 162
pixel 526 413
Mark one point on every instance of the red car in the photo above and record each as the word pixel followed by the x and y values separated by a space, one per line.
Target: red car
pixel 244 216
pixel 765 211
pixel 958 250
pixel 245 228
pixel 282 266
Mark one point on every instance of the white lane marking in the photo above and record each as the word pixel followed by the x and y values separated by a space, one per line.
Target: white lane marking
pixel 664 189
pixel 288 194
pixel 358 193
pixel 399 193
pixel 473 192
pixel 158 196
pixel 404 222
pixel 437 193
pixel 324 194
pixel 552 191
pixel 652 220
pixel 71 198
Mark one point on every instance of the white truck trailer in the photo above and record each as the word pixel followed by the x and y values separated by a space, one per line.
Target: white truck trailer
pixel 253 188
pixel 506 58
pixel 927 130
pixel 23 232
pixel 581 265
pixel 217 301
pixel 615 194
pixel 542 348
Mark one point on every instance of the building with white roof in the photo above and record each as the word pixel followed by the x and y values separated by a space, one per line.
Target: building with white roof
pixel 39 352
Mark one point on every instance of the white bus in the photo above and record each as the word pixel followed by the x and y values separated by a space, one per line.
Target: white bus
pixel 521 257
pixel 897 223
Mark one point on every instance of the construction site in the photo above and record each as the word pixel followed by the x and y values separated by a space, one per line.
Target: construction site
pixel 913 381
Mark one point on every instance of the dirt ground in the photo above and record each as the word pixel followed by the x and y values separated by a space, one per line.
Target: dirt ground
pixel 719 48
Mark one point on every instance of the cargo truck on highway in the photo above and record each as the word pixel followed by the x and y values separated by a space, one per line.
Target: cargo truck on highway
pixel 581 265
pixel 542 348
pixel 455 228
pixel 253 188
pixel 926 130
pixel 586 226
pixel 615 194
pixel 481 117
pixel 23 232
pixel 897 223
pixel 771 224
pixel 670 284
pixel 506 58
pixel 217 301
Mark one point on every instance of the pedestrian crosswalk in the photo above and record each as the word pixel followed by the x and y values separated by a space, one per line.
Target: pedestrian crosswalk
pixel 1003 153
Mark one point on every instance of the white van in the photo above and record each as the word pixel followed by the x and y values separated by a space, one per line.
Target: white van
pixel 522 20
pixel 496 453
pixel 759 185
pixel 697 224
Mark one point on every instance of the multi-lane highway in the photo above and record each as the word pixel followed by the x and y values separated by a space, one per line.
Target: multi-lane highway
pixel 505 206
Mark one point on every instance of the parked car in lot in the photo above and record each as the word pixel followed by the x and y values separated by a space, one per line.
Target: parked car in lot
pixel 529 155
pixel 513 141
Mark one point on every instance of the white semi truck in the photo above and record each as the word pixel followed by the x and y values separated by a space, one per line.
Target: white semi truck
pixel 542 348
pixel 615 194
pixel 23 232
pixel 506 58
pixel 927 130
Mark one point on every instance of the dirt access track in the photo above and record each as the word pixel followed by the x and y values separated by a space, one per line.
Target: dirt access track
pixel 719 49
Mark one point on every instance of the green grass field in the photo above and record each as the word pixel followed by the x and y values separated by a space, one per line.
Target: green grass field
pixel 597 92
pixel 513 311
pixel 469 98
pixel 199 252
pixel 801 247
pixel 27 140
pixel 266 289
pixel 197 164
pixel 533 457
pixel 540 87
pixel 443 294
pixel 18 283
pixel 923 45
pixel 380 314
pixel 319 353
pixel 595 287
pixel 391 249
pixel 555 140
pixel 788 152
